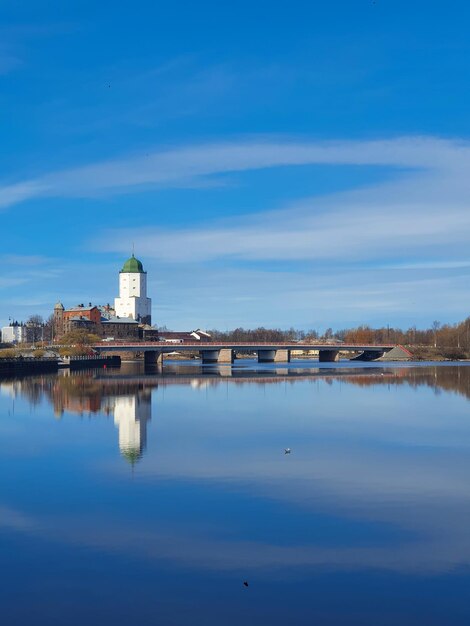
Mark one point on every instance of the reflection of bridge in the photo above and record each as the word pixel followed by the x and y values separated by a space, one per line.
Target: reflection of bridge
pixel 225 373
pixel 267 352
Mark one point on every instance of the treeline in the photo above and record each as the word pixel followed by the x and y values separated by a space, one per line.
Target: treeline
pixel 262 334
pixel 446 340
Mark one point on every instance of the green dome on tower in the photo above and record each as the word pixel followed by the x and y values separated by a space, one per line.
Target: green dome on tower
pixel 132 266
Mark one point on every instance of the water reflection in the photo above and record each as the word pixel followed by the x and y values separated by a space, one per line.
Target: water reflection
pixel 127 396
pixel 373 496
pixel 128 400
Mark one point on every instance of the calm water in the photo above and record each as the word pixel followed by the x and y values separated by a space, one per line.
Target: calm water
pixel 128 498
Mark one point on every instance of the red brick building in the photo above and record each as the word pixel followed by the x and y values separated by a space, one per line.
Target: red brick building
pixel 80 312
pixel 90 318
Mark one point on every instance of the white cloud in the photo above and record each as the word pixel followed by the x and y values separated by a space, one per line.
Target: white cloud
pixel 186 166
pixel 425 210
pixel 14 194
pixel 307 298
pixel 23 260
pixel 11 282
pixel 348 232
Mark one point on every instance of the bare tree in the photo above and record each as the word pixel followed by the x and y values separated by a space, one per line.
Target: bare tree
pixel 35 328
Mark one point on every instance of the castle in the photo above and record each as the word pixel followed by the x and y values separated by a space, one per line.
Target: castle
pixel 132 312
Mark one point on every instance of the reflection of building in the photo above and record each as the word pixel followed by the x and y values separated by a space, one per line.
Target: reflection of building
pixel 8 388
pixel 131 414
pixel 129 400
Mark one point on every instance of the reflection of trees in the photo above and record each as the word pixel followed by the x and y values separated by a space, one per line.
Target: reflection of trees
pixel 86 392
pixel 128 398
pixel 82 392
pixel 440 378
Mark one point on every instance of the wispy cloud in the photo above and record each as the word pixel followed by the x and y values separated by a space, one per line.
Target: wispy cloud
pixel 11 282
pixel 184 166
pixel 23 260
pixel 310 297
pixel 425 209
pixel 19 192
pixel 357 233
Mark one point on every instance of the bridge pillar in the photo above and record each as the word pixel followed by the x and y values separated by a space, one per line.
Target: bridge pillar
pixel 152 358
pixel 282 356
pixel 224 355
pixel 273 356
pixel 328 356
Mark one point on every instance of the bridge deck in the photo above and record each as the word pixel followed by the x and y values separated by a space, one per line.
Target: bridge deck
pixel 164 347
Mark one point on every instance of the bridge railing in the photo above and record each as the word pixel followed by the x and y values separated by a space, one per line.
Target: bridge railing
pixel 238 344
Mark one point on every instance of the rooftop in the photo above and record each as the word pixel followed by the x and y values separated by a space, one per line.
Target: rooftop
pixel 81 308
pixel 132 266
pixel 118 320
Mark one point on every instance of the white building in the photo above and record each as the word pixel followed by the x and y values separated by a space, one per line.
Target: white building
pixel 132 301
pixel 15 333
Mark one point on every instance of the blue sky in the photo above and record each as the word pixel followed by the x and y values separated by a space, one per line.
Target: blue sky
pixel 277 164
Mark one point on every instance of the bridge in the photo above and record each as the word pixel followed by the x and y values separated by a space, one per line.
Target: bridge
pixel 215 352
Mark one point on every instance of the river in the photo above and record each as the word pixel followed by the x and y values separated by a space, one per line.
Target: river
pixel 305 493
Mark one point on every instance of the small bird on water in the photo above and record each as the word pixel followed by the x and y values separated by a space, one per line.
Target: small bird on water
pixel 245 583
pixel 287 451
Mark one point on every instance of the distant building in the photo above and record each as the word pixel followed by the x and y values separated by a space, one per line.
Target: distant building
pixel 58 320
pixel 132 301
pixel 14 333
pixel 92 319
pixel 172 336
pixel 120 328
pixel 82 317
pixel 107 311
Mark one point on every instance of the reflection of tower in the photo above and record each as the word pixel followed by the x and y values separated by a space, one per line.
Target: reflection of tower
pixel 131 414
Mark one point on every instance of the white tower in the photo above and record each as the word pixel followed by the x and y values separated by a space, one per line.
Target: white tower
pixel 133 301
